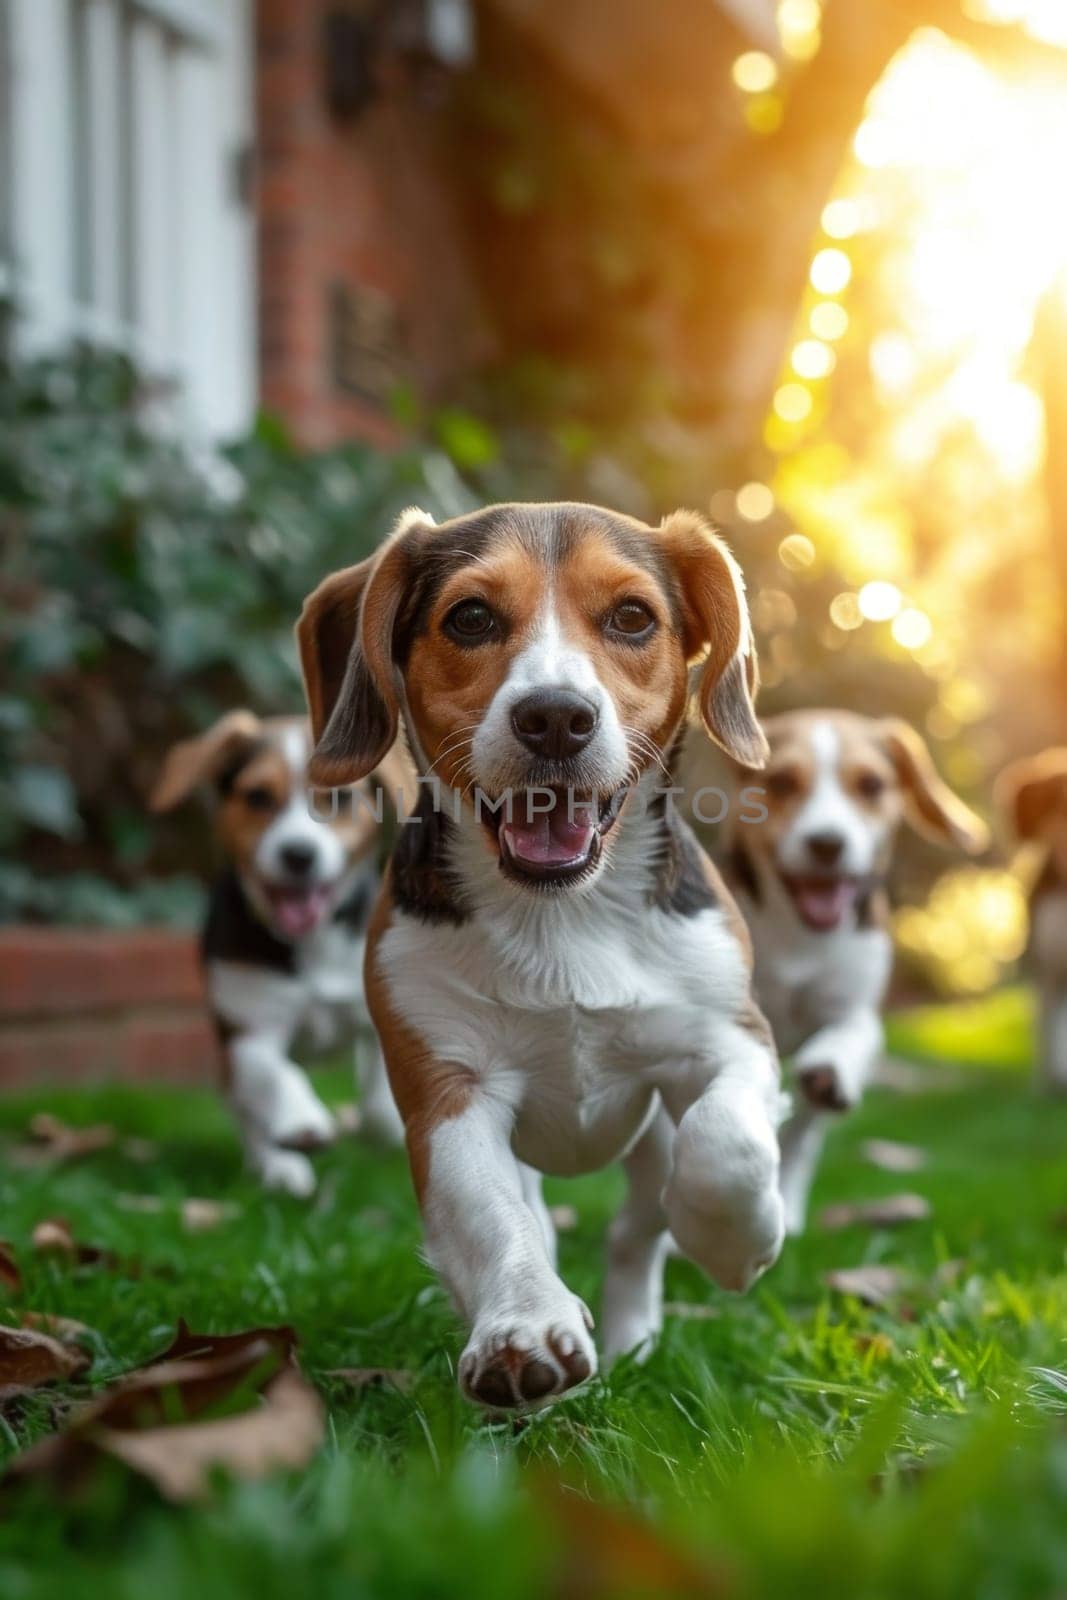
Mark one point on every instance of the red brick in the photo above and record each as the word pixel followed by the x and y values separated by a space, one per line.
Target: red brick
pixel 59 971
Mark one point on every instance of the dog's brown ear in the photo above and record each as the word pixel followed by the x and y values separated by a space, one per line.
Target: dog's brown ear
pixel 718 634
pixel 345 635
pixel 1027 791
pixel 932 808
pixel 197 761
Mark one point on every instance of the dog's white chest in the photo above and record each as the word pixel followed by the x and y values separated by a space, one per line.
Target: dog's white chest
pixel 806 979
pixel 569 1025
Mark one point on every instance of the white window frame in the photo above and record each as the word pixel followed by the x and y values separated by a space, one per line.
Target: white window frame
pixel 126 228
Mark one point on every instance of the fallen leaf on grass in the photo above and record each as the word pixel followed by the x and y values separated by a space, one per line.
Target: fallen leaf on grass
pixel 886 1213
pixel 235 1403
pixel 198 1216
pixel 10 1276
pixel 892 1156
pixel 564 1218
pixel 373 1377
pixel 608 1551
pixel 53 1140
pixel 52 1236
pixel 29 1358
pixel 66 1329
pixel 873 1285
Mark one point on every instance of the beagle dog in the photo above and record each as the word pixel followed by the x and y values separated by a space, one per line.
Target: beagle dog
pixel 1031 797
pixel 810 877
pixel 557 973
pixel 284 936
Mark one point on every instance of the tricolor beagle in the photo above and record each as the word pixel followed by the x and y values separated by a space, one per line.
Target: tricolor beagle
pixel 285 932
pixel 557 973
pixel 1032 798
pixel 810 878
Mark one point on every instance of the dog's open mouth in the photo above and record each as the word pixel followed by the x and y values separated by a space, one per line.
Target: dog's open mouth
pixel 298 912
pixel 822 902
pixel 552 836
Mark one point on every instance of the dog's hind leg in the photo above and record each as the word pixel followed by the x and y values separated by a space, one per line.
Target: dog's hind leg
pixel 379 1117
pixel 802 1139
pixel 638 1244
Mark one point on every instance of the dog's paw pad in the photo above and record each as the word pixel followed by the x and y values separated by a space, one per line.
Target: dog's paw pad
pixel 509 1369
pixel 821 1087
pixel 309 1138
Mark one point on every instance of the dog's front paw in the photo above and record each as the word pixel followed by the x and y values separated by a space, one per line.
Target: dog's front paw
pixel 519 1361
pixel 722 1201
pixel 822 1086
pixel 286 1171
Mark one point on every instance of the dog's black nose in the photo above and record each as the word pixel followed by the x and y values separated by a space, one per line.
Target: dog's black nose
pixel 297 858
pixel 554 722
pixel 825 848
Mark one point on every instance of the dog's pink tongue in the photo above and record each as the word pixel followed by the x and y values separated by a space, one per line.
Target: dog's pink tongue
pixel 298 911
pixel 551 839
pixel 822 904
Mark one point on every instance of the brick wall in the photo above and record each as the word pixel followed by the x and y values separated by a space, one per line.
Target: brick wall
pixel 78 1005
pixel 363 276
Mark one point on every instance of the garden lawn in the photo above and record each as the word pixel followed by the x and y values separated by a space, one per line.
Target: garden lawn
pixel 794 1442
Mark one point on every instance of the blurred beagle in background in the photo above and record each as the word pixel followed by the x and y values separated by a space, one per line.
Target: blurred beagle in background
pixel 285 932
pixel 557 973
pixel 810 879
pixel 1031 798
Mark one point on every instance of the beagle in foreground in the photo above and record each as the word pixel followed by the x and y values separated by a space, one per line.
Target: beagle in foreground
pixel 811 880
pixel 1032 798
pixel 284 938
pixel 557 974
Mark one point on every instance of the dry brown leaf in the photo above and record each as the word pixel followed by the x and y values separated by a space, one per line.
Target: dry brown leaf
pixel 29 1358
pixel 373 1377
pixel 52 1236
pixel 888 1212
pixel 198 1215
pixel 66 1329
pixel 280 1422
pixel 873 1285
pixel 880 1344
pixel 284 1430
pixel 892 1156
pixel 60 1142
pixel 564 1218
pixel 609 1551
pixel 10 1276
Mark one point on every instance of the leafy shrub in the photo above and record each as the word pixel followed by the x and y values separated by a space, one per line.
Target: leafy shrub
pixel 145 589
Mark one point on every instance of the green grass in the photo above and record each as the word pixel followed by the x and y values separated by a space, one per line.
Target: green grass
pixel 794 1443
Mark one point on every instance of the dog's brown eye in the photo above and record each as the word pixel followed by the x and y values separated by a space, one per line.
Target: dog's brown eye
pixel 470 622
pixel 781 785
pixel 631 620
pixel 870 785
pixel 258 798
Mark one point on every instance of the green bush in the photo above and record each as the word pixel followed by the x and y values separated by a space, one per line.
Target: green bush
pixel 145 589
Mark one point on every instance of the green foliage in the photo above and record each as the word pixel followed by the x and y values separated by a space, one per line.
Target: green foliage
pixel 791 1441
pixel 146 589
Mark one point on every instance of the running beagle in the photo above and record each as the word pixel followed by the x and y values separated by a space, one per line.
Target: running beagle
pixel 1031 796
pixel 810 878
pixel 285 932
pixel 557 974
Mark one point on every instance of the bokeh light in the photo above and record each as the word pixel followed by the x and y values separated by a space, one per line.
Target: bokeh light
pixel 792 402
pixel 755 72
pixel 831 271
pixel 828 320
pixel 755 502
pixel 879 600
pixel 912 628
pixel 813 359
